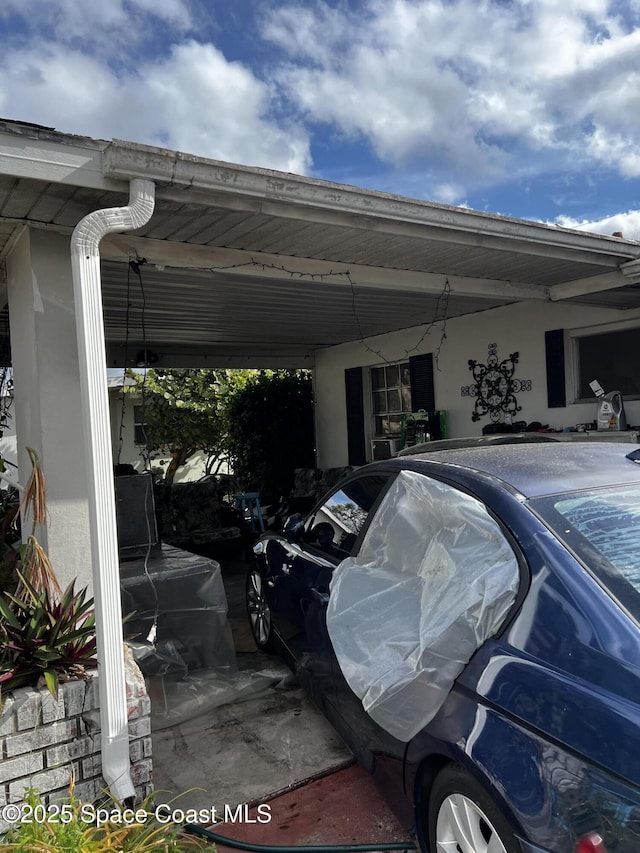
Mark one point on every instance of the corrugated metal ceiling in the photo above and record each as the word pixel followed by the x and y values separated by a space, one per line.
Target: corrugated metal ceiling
pixel 180 309
pixel 195 315
pixel 367 242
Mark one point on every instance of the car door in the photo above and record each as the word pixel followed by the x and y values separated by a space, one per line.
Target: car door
pixel 332 533
pixel 302 576
pixel 434 576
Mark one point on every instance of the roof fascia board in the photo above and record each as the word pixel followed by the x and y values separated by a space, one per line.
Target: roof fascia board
pixel 628 274
pixel 232 262
pixel 400 228
pixel 125 160
pixel 51 161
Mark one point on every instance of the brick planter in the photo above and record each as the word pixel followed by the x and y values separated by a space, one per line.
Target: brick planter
pixel 43 740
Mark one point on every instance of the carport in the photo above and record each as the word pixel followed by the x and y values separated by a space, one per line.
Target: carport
pixel 245 267
pixel 239 267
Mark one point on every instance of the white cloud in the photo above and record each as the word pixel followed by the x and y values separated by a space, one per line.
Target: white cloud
pixel 204 104
pixel 453 94
pixel 61 88
pixel 449 193
pixel 628 224
pixel 188 97
pixel 608 146
pixel 98 22
pixel 465 84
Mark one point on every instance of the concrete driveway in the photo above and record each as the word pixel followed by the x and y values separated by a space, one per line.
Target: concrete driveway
pixel 246 751
pixel 275 751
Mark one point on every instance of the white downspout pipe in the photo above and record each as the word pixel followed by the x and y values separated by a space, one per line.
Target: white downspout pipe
pixel 85 265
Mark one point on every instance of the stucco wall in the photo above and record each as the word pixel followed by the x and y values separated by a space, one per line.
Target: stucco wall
pixel 515 328
pixel 47 397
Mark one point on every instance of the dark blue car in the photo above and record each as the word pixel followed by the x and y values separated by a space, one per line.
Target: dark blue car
pixel 469 621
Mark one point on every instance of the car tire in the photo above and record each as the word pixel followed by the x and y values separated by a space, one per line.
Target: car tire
pixel 462 816
pixel 259 612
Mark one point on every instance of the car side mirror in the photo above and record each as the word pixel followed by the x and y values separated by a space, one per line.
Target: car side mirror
pixel 293 527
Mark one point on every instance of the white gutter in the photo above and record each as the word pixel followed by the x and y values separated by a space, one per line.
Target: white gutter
pixel 184 177
pixel 85 265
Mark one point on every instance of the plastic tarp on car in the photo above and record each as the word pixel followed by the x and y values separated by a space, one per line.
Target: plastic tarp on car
pixel 434 578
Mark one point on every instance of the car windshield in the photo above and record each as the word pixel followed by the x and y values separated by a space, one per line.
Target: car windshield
pixel 603 528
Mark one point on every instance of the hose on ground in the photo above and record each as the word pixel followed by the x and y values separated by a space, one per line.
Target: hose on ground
pixel 215 837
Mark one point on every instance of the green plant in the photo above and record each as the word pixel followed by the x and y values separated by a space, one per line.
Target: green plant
pixel 183 412
pixel 45 636
pixel 78 828
pixel 44 632
pixel 10 536
pixel 270 431
pixel 8 566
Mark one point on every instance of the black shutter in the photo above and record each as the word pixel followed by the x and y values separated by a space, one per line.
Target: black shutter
pixel 421 379
pixel 554 351
pixel 355 416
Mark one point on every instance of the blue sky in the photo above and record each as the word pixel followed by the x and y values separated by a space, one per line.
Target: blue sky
pixel 527 108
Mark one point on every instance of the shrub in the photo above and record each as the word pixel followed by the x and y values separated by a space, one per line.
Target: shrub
pixel 44 636
pixel 271 432
pixel 73 832
pixel 45 633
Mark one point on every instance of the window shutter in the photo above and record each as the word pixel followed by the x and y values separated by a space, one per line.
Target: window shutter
pixel 421 379
pixel 355 416
pixel 554 351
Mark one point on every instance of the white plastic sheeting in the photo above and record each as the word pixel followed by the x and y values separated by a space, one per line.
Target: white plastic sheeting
pixel 190 666
pixel 435 577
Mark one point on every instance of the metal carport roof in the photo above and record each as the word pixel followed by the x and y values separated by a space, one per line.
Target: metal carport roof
pixel 247 266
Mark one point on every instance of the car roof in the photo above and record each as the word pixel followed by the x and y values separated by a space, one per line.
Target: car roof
pixel 535 469
pixel 475 440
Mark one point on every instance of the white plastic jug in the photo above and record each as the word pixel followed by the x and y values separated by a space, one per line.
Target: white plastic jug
pixel 611 412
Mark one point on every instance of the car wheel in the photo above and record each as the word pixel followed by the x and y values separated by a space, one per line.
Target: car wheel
pixel 258 612
pixel 463 818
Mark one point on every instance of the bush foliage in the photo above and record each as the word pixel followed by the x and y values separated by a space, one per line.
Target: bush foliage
pixel 44 636
pixel 184 412
pixel 271 432
pixel 261 422
pixel 72 832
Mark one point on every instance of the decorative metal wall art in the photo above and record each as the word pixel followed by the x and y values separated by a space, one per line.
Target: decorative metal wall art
pixel 494 386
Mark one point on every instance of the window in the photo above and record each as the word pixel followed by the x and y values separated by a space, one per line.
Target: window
pixel 603 528
pixel 139 426
pixel 370 411
pixel 610 356
pixel 335 525
pixel 390 398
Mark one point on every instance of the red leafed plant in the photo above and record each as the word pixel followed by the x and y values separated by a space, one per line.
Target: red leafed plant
pixel 44 633
pixel 44 636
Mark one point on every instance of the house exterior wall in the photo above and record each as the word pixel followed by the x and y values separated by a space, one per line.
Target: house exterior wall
pixel 47 401
pixel 519 327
